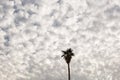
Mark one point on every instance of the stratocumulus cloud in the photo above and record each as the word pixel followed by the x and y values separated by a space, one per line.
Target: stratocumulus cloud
pixel 33 33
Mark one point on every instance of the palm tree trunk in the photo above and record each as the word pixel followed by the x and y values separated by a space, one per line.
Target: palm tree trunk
pixel 68 71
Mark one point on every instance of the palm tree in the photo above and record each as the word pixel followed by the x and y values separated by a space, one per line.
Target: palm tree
pixel 68 56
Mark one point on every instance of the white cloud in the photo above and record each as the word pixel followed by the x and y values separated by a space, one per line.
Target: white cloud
pixel 33 33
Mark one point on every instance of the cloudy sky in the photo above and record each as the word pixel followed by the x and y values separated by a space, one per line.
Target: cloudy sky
pixel 33 33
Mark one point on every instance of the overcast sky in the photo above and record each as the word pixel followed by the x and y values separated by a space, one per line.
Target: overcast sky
pixel 33 33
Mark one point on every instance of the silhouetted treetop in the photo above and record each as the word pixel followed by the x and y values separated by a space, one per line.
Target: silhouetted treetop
pixel 68 55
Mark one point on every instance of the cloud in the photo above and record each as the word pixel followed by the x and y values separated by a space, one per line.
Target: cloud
pixel 33 33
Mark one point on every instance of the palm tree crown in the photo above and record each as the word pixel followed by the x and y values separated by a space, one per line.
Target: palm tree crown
pixel 68 55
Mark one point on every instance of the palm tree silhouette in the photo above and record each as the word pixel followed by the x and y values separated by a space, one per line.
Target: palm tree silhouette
pixel 68 56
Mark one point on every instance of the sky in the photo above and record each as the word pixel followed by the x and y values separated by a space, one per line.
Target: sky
pixel 34 32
